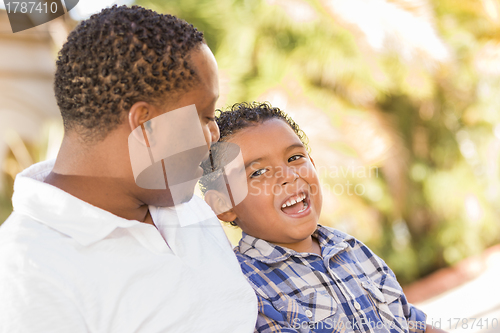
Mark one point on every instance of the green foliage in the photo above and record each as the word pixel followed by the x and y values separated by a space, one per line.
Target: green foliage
pixel 426 123
pixel 426 120
pixel 23 153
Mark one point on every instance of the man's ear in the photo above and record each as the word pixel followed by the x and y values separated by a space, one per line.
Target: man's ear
pixel 141 114
pixel 220 205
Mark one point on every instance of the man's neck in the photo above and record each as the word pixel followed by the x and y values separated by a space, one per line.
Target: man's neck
pixel 101 192
pixel 97 174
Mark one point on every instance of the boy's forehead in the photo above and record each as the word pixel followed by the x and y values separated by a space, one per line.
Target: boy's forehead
pixel 262 141
pixel 273 127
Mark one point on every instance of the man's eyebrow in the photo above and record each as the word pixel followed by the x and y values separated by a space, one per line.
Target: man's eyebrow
pixel 248 164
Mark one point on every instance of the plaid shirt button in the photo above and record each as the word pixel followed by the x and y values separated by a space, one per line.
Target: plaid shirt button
pixel 309 313
pixel 357 306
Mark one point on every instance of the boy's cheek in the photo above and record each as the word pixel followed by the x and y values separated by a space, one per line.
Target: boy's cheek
pixel 308 171
pixel 259 188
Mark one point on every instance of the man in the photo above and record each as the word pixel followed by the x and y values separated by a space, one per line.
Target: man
pixel 88 250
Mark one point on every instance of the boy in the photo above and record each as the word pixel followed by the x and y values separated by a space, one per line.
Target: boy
pixel 308 278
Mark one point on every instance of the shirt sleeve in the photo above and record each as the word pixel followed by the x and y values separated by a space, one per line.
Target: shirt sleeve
pixel 416 318
pixel 385 278
pixel 270 319
pixel 30 304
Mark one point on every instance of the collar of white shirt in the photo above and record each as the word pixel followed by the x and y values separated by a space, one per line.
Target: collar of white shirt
pixel 76 218
pixel 135 278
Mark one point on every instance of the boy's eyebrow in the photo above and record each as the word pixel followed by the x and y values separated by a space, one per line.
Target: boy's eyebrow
pixel 249 163
pixel 295 145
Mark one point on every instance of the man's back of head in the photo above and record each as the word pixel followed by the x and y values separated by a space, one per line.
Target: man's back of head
pixel 118 70
pixel 117 58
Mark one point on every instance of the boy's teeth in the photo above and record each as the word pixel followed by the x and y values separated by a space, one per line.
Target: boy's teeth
pixel 305 207
pixel 292 202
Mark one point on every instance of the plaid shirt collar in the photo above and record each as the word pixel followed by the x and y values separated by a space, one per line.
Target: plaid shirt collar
pixel 331 243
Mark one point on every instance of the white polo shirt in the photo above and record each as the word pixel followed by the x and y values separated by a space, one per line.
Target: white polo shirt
pixel 67 266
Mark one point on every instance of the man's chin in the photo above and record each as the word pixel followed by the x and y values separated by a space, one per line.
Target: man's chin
pixel 164 201
pixel 185 199
pixel 175 195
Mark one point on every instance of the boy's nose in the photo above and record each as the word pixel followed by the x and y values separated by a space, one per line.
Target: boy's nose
pixel 290 176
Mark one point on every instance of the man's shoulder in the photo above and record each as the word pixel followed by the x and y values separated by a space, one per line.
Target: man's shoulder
pixel 26 244
pixel 20 230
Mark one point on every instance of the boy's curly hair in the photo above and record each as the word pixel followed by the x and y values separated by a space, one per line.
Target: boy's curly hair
pixel 119 57
pixel 243 115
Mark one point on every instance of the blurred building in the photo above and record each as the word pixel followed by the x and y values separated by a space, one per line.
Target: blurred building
pixel 27 65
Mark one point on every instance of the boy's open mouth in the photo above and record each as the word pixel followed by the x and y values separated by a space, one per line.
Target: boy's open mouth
pixel 295 204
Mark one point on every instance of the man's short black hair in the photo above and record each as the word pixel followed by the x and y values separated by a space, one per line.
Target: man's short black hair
pixel 119 57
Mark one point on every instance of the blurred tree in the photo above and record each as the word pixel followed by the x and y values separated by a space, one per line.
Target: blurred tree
pixel 399 99
pixel 409 91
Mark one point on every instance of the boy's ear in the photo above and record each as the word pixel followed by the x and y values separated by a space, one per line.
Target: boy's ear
pixel 219 204
pixel 312 161
pixel 228 216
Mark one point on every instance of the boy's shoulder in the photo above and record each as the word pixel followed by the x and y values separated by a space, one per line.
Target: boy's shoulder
pixel 258 262
pixel 258 254
pixel 334 235
pixel 362 253
pixel 252 249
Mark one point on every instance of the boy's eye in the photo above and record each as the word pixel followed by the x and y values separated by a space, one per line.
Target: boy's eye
pixel 258 173
pixel 295 157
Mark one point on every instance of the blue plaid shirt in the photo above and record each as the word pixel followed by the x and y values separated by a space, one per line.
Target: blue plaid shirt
pixel 347 289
